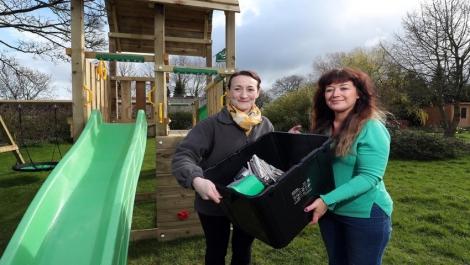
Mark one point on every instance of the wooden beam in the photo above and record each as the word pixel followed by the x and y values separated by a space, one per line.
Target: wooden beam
pixel 208 48
pixel 116 28
pixel 145 196
pixel 230 51
pixel 169 68
pixel 151 37
pixel 131 36
pixel 112 92
pixel 159 94
pixel 78 66
pixel 92 55
pixel 35 102
pixel 12 147
pixel 209 4
pixel 188 40
pixel 137 235
pixel 130 78
pixel 140 96
pixel 171 234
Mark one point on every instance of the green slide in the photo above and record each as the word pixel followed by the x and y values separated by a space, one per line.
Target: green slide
pixel 82 213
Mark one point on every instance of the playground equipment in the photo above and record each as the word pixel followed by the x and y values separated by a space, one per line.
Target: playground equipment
pixel 141 31
pixel 82 213
pixel 37 166
pixel 72 199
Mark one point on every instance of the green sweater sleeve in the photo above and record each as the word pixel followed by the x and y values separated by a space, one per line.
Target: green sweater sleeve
pixel 360 171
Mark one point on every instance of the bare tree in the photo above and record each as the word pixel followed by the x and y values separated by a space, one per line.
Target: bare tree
pixel 193 84
pixel 263 99
pixel 328 61
pixel 147 69
pixel 23 83
pixel 436 46
pixel 44 28
pixel 127 69
pixel 287 84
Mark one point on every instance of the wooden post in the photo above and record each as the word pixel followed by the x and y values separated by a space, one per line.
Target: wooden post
pixel 126 102
pixel 208 48
pixel 140 96
pixel 78 66
pixel 112 93
pixel 160 85
pixel 229 39
pixel 196 112
pixel 12 147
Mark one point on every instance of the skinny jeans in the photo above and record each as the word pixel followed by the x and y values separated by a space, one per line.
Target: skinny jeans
pixel 356 241
pixel 217 234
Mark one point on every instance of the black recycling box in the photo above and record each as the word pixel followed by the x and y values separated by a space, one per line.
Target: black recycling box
pixel 275 216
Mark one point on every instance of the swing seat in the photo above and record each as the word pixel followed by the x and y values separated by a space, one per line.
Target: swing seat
pixel 33 167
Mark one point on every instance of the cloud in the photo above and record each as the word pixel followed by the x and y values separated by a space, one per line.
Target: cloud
pixel 281 37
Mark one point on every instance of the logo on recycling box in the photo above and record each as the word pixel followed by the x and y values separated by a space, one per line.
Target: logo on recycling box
pixel 302 191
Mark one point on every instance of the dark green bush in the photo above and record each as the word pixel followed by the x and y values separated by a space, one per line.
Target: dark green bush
pixel 418 145
pixel 180 120
pixel 39 123
pixel 289 110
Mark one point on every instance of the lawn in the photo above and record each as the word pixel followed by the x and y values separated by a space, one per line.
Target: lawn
pixel 431 219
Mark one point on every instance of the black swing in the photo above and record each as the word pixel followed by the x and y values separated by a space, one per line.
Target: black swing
pixel 38 166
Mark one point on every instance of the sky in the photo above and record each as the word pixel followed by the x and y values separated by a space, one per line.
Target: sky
pixel 279 38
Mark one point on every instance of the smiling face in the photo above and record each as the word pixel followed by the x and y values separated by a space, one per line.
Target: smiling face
pixel 341 97
pixel 243 92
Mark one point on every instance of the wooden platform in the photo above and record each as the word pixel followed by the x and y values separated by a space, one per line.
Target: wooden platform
pixel 188 25
pixel 171 198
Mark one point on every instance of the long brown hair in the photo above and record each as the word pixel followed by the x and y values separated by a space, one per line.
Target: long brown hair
pixel 367 106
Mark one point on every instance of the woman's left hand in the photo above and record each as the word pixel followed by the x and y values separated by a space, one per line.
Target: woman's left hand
pixel 319 208
pixel 295 129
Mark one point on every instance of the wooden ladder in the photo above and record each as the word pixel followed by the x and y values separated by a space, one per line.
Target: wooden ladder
pixel 12 147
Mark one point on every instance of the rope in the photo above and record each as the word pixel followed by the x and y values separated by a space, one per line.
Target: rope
pixel 56 138
pixel 22 136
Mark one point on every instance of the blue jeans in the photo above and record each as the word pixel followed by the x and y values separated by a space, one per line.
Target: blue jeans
pixel 358 241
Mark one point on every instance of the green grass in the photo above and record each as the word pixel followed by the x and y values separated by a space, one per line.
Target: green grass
pixel 431 218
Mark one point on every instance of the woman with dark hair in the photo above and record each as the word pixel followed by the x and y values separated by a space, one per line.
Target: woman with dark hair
pixel 354 218
pixel 212 139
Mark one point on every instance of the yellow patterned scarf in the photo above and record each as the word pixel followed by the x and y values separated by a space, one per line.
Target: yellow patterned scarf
pixel 245 121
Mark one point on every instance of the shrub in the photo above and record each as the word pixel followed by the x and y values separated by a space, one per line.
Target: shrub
pixel 39 123
pixel 180 120
pixel 418 145
pixel 289 110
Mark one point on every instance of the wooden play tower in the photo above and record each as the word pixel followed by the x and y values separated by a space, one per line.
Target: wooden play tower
pixel 151 31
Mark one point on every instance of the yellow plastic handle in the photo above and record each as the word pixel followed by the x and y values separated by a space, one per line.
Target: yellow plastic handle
pixel 101 70
pixel 150 96
pixel 90 95
pixel 160 112
pixel 222 99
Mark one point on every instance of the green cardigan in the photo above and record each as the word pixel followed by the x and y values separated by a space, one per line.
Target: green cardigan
pixel 359 175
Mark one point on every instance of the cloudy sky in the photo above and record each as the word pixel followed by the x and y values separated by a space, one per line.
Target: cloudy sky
pixel 279 38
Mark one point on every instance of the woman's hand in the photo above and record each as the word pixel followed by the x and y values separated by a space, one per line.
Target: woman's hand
pixel 295 129
pixel 206 189
pixel 319 208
